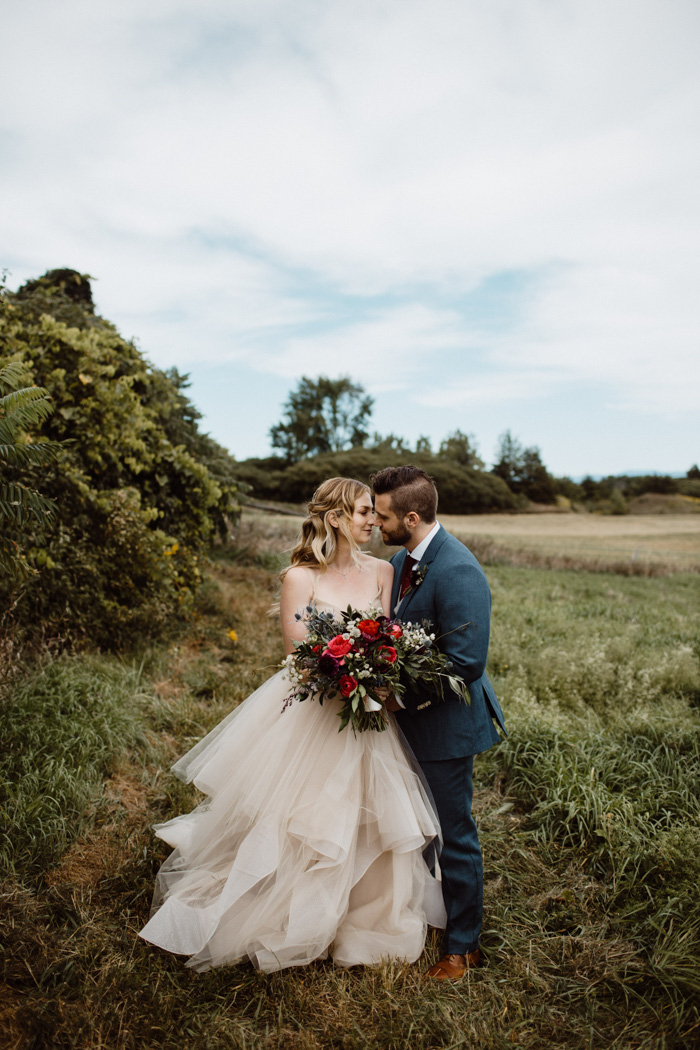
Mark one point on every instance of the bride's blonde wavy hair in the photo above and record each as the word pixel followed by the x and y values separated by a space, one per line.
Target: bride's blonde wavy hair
pixel 318 542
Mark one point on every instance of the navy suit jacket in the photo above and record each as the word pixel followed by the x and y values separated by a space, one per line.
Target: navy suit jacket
pixel 455 596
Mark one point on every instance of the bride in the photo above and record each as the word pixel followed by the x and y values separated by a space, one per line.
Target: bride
pixel 310 841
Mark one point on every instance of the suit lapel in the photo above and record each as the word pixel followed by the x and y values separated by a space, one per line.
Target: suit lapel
pixel 433 548
pixel 398 572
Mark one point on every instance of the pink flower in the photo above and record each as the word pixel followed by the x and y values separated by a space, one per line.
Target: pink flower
pixel 338 647
pixel 395 631
pixel 347 684
pixel 387 654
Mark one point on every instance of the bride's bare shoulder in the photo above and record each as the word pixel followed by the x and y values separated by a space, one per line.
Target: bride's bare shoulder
pixel 383 569
pixel 298 580
pixel 295 573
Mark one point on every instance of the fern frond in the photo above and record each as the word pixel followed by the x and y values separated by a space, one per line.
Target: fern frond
pixel 32 455
pixel 12 374
pixel 22 419
pixel 19 503
pixel 18 397
pixel 12 565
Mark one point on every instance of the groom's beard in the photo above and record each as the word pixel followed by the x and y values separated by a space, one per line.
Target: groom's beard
pixel 398 537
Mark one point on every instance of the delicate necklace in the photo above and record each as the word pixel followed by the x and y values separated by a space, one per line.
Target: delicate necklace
pixel 343 574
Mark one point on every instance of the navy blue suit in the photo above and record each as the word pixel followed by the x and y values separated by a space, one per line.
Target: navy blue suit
pixel 446 734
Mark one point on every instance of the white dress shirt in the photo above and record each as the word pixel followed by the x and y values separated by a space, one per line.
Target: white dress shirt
pixel 417 553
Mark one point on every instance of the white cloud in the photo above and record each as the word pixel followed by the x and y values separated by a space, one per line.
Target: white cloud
pixel 249 180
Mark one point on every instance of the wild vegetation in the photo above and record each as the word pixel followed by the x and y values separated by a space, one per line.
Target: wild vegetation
pixel 126 634
pixel 137 491
pixel 589 819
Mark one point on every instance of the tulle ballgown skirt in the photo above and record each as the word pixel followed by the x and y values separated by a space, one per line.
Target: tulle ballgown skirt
pixel 310 843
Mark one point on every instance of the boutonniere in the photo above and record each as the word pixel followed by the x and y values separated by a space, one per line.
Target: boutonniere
pixel 419 575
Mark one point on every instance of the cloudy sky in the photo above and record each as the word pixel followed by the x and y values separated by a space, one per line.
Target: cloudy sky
pixel 487 212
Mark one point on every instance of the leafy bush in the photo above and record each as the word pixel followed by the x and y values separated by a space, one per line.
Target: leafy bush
pixel 689 487
pixel 139 491
pixel 462 490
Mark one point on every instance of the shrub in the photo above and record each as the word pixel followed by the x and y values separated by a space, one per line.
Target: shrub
pixel 139 491
pixel 462 490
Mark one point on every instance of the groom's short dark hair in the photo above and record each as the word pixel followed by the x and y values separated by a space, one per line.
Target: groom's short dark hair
pixel 411 490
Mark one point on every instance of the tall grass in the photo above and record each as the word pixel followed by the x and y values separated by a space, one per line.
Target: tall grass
pixel 62 729
pixel 589 824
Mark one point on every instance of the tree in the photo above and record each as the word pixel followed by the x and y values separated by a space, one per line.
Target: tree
pixel 461 448
pixel 523 471
pixel 694 473
pixel 509 457
pixel 322 415
pixel 424 446
pixel 535 480
pixel 389 444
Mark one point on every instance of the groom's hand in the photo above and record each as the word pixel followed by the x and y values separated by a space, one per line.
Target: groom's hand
pixel 387 698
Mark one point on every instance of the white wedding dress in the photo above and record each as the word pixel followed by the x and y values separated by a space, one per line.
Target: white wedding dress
pixel 310 843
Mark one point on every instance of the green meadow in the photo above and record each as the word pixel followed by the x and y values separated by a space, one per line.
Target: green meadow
pixel 589 814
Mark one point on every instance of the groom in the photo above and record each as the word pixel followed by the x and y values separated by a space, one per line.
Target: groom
pixel 436 578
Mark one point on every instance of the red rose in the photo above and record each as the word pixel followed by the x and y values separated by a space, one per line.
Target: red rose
pixel 368 628
pixel 395 631
pixel 347 684
pixel 386 653
pixel 338 646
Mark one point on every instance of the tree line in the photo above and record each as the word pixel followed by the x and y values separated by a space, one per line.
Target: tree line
pixel 325 429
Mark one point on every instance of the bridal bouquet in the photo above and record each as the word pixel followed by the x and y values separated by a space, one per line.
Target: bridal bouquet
pixel 348 659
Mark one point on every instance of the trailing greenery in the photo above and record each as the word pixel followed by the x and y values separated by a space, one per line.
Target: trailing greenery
pixel 19 504
pixel 139 492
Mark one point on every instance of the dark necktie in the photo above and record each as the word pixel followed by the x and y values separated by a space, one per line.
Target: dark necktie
pixel 406 575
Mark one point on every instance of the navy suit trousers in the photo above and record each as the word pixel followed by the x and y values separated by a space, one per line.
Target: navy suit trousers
pixel 450 782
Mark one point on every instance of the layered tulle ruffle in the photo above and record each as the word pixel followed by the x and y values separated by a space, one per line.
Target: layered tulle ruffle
pixel 310 841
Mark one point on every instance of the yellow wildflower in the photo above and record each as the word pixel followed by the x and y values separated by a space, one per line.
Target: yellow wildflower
pixel 232 635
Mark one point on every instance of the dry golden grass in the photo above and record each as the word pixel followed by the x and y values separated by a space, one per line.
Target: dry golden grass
pixel 631 545
pixel 644 545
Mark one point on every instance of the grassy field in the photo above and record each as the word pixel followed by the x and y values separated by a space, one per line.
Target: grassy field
pixel 644 545
pixel 589 817
pixel 632 544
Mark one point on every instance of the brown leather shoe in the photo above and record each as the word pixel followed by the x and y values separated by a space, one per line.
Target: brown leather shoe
pixel 454 967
